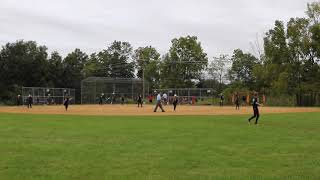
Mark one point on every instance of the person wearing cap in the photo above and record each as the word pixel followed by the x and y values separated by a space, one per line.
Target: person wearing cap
pixel 139 100
pixel 158 103
pixel 101 99
pixel 18 100
pixel 255 106
pixel 122 100
pixel 30 101
pixel 237 101
pixel 165 98
pixel 221 100
pixel 175 102
pixel 66 103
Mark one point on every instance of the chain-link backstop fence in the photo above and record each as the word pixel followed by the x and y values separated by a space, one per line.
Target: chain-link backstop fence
pixel 200 96
pixel 43 95
pixel 111 90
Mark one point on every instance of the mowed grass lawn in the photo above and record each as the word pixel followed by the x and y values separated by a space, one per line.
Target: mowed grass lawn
pixel 284 146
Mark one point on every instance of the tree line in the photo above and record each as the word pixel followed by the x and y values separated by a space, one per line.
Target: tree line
pixel 287 65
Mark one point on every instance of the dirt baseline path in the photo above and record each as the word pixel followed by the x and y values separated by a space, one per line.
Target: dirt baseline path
pixel 147 110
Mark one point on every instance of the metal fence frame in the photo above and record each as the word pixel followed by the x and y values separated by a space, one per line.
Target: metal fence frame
pixel 93 87
pixel 46 95
pixel 190 94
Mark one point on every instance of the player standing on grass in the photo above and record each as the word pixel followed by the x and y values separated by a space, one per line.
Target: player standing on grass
pixel 175 102
pixel 255 106
pixel 158 103
pixel 66 103
pixel 30 101
pixel 139 100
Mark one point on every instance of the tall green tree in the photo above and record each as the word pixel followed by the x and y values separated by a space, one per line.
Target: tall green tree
pixel 313 12
pixel 217 70
pixel 311 69
pixel 73 71
pixel 55 70
pixel 277 56
pixel 23 64
pixel 299 45
pixel 95 66
pixel 184 63
pixel 148 61
pixel 73 65
pixel 117 60
pixel 242 68
pixel 275 45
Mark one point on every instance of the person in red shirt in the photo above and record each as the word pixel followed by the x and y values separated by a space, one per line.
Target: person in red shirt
pixel 150 98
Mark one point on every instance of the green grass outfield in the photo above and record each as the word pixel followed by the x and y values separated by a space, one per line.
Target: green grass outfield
pixel 284 146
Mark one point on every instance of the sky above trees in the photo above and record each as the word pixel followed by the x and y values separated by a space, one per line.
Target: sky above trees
pixel 221 26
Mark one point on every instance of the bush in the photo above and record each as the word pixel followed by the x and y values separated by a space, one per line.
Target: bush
pixel 284 100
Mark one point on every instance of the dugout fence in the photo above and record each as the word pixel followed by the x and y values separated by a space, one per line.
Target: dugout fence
pixel 112 89
pixel 44 95
pixel 202 96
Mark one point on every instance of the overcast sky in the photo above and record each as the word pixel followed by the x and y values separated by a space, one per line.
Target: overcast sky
pixel 91 25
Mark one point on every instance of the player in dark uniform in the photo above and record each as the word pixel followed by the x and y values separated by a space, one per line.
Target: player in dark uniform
pixel 221 100
pixel 244 99
pixel 101 99
pixel 139 100
pixel 19 100
pixel 237 101
pixel 122 100
pixel 175 102
pixel 66 103
pixel 30 101
pixel 255 106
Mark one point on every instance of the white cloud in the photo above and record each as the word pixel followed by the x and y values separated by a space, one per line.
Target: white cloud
pixel 91 25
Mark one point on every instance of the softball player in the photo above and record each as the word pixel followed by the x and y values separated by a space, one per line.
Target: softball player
pixel 175 102
pixel 139 100
pixel 255 106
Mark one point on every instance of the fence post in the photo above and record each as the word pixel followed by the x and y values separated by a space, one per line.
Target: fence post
pixel 188 95
pixel 22 96
pixel 81 91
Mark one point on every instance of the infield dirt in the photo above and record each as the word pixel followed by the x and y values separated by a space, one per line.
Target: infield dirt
pixel 147 110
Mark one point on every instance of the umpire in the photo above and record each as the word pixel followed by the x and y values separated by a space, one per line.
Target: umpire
pixel 158 103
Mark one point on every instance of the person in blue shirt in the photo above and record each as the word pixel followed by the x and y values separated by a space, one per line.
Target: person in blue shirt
pixel 255 106
pixel 158 103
